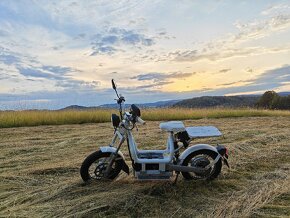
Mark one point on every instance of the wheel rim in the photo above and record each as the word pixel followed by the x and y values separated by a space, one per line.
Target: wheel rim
pixel 98 168
pixel 201 161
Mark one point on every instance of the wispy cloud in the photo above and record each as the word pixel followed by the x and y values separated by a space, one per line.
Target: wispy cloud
pixel 224 70
pixel 156 80
pixel 44 72
pixel 226 53
pixel 276 9
pixel 9 59
pixel 60 76
pixel 157 77
pixel 270 79
pixel 261 28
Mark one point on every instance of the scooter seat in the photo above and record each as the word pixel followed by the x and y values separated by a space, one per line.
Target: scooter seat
pixel 172 126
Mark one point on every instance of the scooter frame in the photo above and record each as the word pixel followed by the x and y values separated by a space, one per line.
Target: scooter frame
pixel 165 164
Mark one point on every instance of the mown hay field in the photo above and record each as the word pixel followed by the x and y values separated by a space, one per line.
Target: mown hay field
pixel 39 173
pixel 45 117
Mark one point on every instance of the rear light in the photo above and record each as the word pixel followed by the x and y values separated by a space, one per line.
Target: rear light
pixel 222 150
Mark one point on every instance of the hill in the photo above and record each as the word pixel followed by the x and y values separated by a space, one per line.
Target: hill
pixel 218 101
pixel 77 107
pixel 196 102
pixel 158 104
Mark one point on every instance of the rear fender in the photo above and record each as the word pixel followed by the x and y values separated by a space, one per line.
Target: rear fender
pixel 195 148
pixel 109 149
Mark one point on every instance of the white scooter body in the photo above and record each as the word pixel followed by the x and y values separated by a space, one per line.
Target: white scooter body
pixel 158 164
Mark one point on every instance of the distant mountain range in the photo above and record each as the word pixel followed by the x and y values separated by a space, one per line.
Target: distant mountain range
pixel 283 93
pixel 158 104
pixel 218 101
pixel 197 102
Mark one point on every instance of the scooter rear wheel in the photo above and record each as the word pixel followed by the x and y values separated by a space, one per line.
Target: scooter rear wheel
pixel 201 159
pixel 94 166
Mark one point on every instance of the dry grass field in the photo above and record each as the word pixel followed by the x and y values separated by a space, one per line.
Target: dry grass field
pixel 46 117
pixel 39 173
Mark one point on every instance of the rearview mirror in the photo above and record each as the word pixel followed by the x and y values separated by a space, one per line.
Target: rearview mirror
pixel 113 84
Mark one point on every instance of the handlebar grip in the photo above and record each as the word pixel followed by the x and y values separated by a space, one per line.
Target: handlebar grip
pixel 139 120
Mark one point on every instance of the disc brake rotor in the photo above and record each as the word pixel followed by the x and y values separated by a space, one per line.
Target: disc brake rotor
pixel 100 170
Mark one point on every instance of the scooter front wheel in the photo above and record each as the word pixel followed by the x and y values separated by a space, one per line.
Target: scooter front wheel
pixel 201 159
pixel 95 165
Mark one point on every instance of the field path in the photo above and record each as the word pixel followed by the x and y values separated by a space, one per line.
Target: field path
pixel 39 173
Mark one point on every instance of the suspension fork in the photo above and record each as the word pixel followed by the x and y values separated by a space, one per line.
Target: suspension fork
pixel 113 157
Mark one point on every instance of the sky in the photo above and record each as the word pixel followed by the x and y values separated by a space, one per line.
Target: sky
pixel 59 53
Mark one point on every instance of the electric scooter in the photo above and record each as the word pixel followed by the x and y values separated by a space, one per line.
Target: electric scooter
pixel 199 161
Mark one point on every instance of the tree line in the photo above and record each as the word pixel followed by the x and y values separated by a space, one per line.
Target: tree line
pixel 271 100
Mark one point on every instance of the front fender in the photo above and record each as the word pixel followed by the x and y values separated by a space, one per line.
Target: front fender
pixel 109 149
pixel 194 148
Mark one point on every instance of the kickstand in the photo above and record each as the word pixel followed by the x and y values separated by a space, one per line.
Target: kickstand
pixel 175 180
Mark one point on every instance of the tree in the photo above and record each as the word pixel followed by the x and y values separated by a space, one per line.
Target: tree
pixel 271 100
pixel 267 99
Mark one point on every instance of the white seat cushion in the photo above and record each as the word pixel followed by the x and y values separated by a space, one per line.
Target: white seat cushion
pixel 172 126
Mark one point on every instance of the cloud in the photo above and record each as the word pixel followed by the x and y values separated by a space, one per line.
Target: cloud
pixel 102 49
pixel 111 40
pixel 224 70
pixel 269 80
pixel 236 83
pixel 58 69
pixel 79 85
pixel 59 75
pixel 30 72
pixel 226 53
pixel 156 77
pixel 159 79
pixel 9 59
pixel 276 9
pixel 154 85
pixel 274 77
pixel 47 72
pixel 261 28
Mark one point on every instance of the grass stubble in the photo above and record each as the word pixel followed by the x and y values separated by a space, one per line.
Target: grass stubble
pixel 39 173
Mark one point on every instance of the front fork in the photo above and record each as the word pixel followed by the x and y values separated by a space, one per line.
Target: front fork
pixel 113 157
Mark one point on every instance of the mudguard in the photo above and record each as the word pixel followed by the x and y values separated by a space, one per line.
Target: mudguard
pixel 194 148
pixel 109 149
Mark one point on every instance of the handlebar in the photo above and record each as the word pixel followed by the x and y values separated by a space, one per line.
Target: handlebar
pixel 139 120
